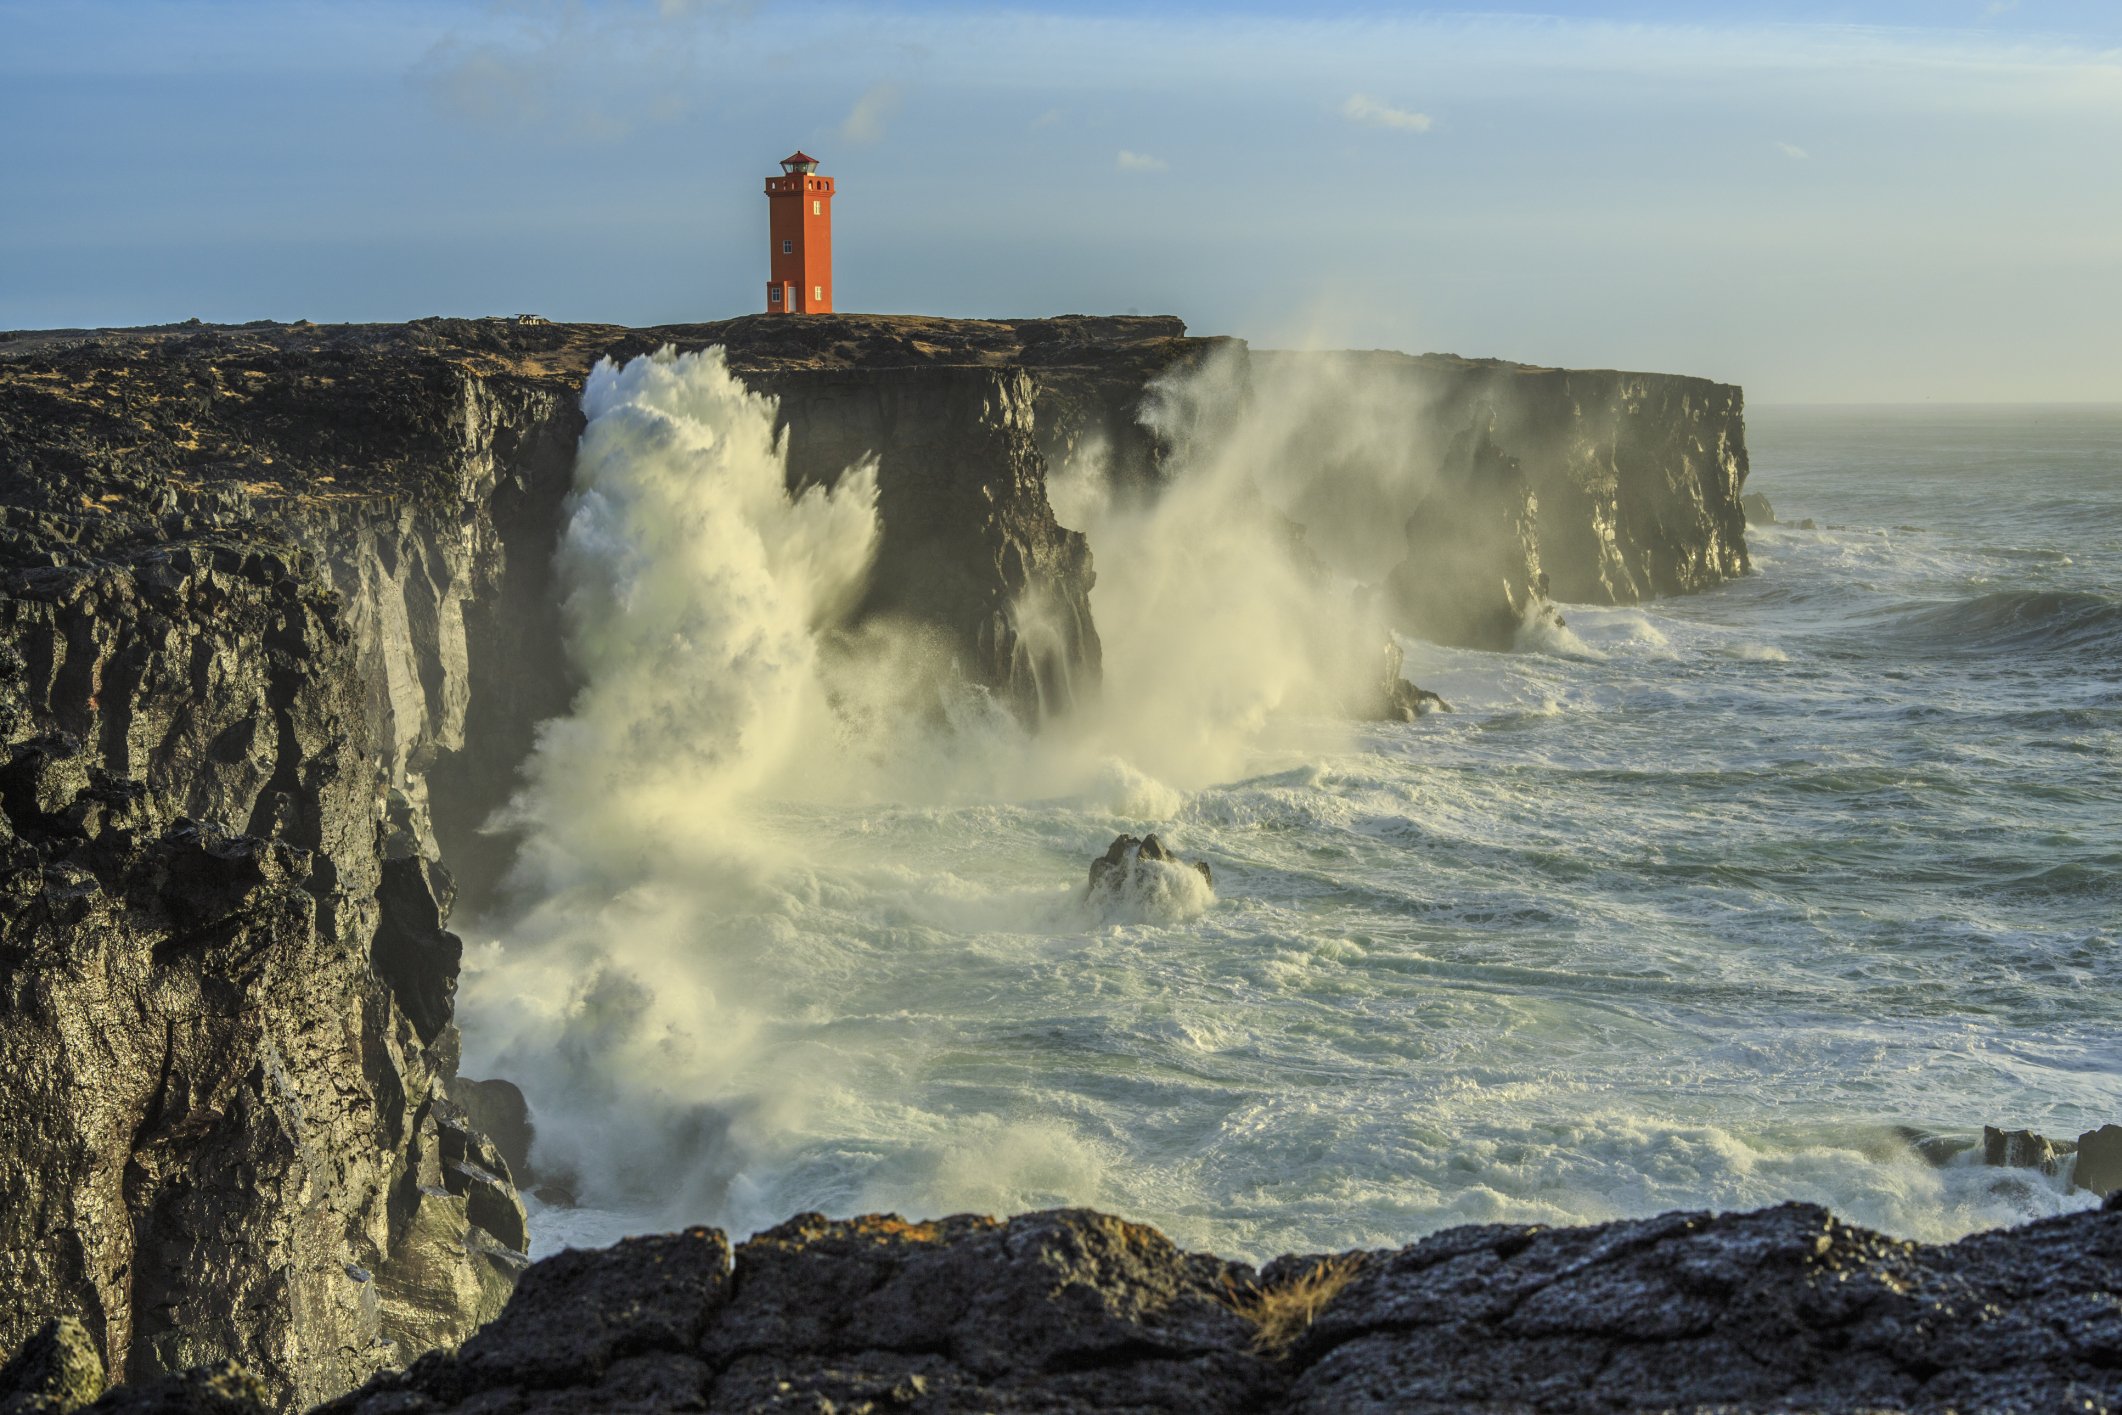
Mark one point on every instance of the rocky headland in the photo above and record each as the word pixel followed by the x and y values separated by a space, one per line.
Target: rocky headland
pixel 277 624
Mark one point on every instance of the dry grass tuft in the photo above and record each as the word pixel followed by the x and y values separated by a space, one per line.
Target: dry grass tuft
pixel 1283 1312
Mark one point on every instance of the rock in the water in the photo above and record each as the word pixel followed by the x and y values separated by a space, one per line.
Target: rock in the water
pixel 1758 511
pixel 2100 1161
pixel 1400 700
pixel 1116 867
pixel 2021 1149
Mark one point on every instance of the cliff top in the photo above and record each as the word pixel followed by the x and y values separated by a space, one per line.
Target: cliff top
pixel 532 347
pixel 98 420
pixel 1462 366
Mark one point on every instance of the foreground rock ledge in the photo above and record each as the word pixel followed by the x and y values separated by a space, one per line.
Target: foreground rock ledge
pixel 1785 1310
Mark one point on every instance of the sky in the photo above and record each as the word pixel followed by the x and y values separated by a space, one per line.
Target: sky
pixel 1823 200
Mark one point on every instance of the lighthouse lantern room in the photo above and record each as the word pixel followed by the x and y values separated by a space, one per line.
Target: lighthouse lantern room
pixel 799 206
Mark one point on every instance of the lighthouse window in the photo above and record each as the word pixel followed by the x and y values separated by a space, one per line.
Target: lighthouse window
pixel 817 292
pixel 817 208
pixel 788 248
pixel 774 294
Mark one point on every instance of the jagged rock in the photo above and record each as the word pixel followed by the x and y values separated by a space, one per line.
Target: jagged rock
pixel 1757 510
pixel 474 1168
pixel 412 951
pixel 56 1372
pixel 2099 1166
pixel 1112 870
pixel 2021 1149
pixel 618 1328
pixel 1775 1312
pixel 1400 700
pixel 223 1388
pixel 215 1104
pixel 1784 1309
pixel 970 546
pixel 497 1109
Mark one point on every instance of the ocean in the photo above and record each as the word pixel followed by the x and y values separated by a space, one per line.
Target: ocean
pixel 1707 903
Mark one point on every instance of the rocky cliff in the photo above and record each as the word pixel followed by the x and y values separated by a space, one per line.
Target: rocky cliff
pixel 970 547
pixel 233 602
pixel 277 624
pixel 1771 1313
pixel 1511 484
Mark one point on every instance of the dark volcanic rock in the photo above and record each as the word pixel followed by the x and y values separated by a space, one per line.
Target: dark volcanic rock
pixel 412 951
pixel 1400 700
pixel 496 1108
pixel 1757 509
pixel 2095 1157
pixel 970 545
pixel 1785 1309
pixel 212 1097
pixel 1115 869
pixel 56 1372
pixel 2099 1165
pixel 232 577
pixel 1776 1312
pixel 276 625
pixel 2020 1149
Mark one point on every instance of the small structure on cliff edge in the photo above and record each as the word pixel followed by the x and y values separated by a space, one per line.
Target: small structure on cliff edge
pixel 799 206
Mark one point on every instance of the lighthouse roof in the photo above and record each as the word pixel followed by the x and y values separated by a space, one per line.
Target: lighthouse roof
pixel 799 156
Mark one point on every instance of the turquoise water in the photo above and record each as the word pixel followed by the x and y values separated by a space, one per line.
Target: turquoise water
pixel 1690 905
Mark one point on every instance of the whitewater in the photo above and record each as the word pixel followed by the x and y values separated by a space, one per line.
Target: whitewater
pixel 1706 903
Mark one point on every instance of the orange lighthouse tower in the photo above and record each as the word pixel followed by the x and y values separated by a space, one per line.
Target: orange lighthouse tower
pixel 799 206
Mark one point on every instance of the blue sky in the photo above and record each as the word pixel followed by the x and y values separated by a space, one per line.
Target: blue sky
pixel 1823 201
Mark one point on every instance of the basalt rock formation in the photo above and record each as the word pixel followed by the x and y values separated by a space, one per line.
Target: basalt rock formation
pixel 277 625
pixel 971 551
pixel 1777 1312
pixel 231 605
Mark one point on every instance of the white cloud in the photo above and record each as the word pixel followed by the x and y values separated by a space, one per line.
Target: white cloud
pixel 1362 108
pixel 1140 162
pixel 1792 150
pixel 865 121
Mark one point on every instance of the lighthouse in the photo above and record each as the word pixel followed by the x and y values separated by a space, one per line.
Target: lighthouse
pixel 799 206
